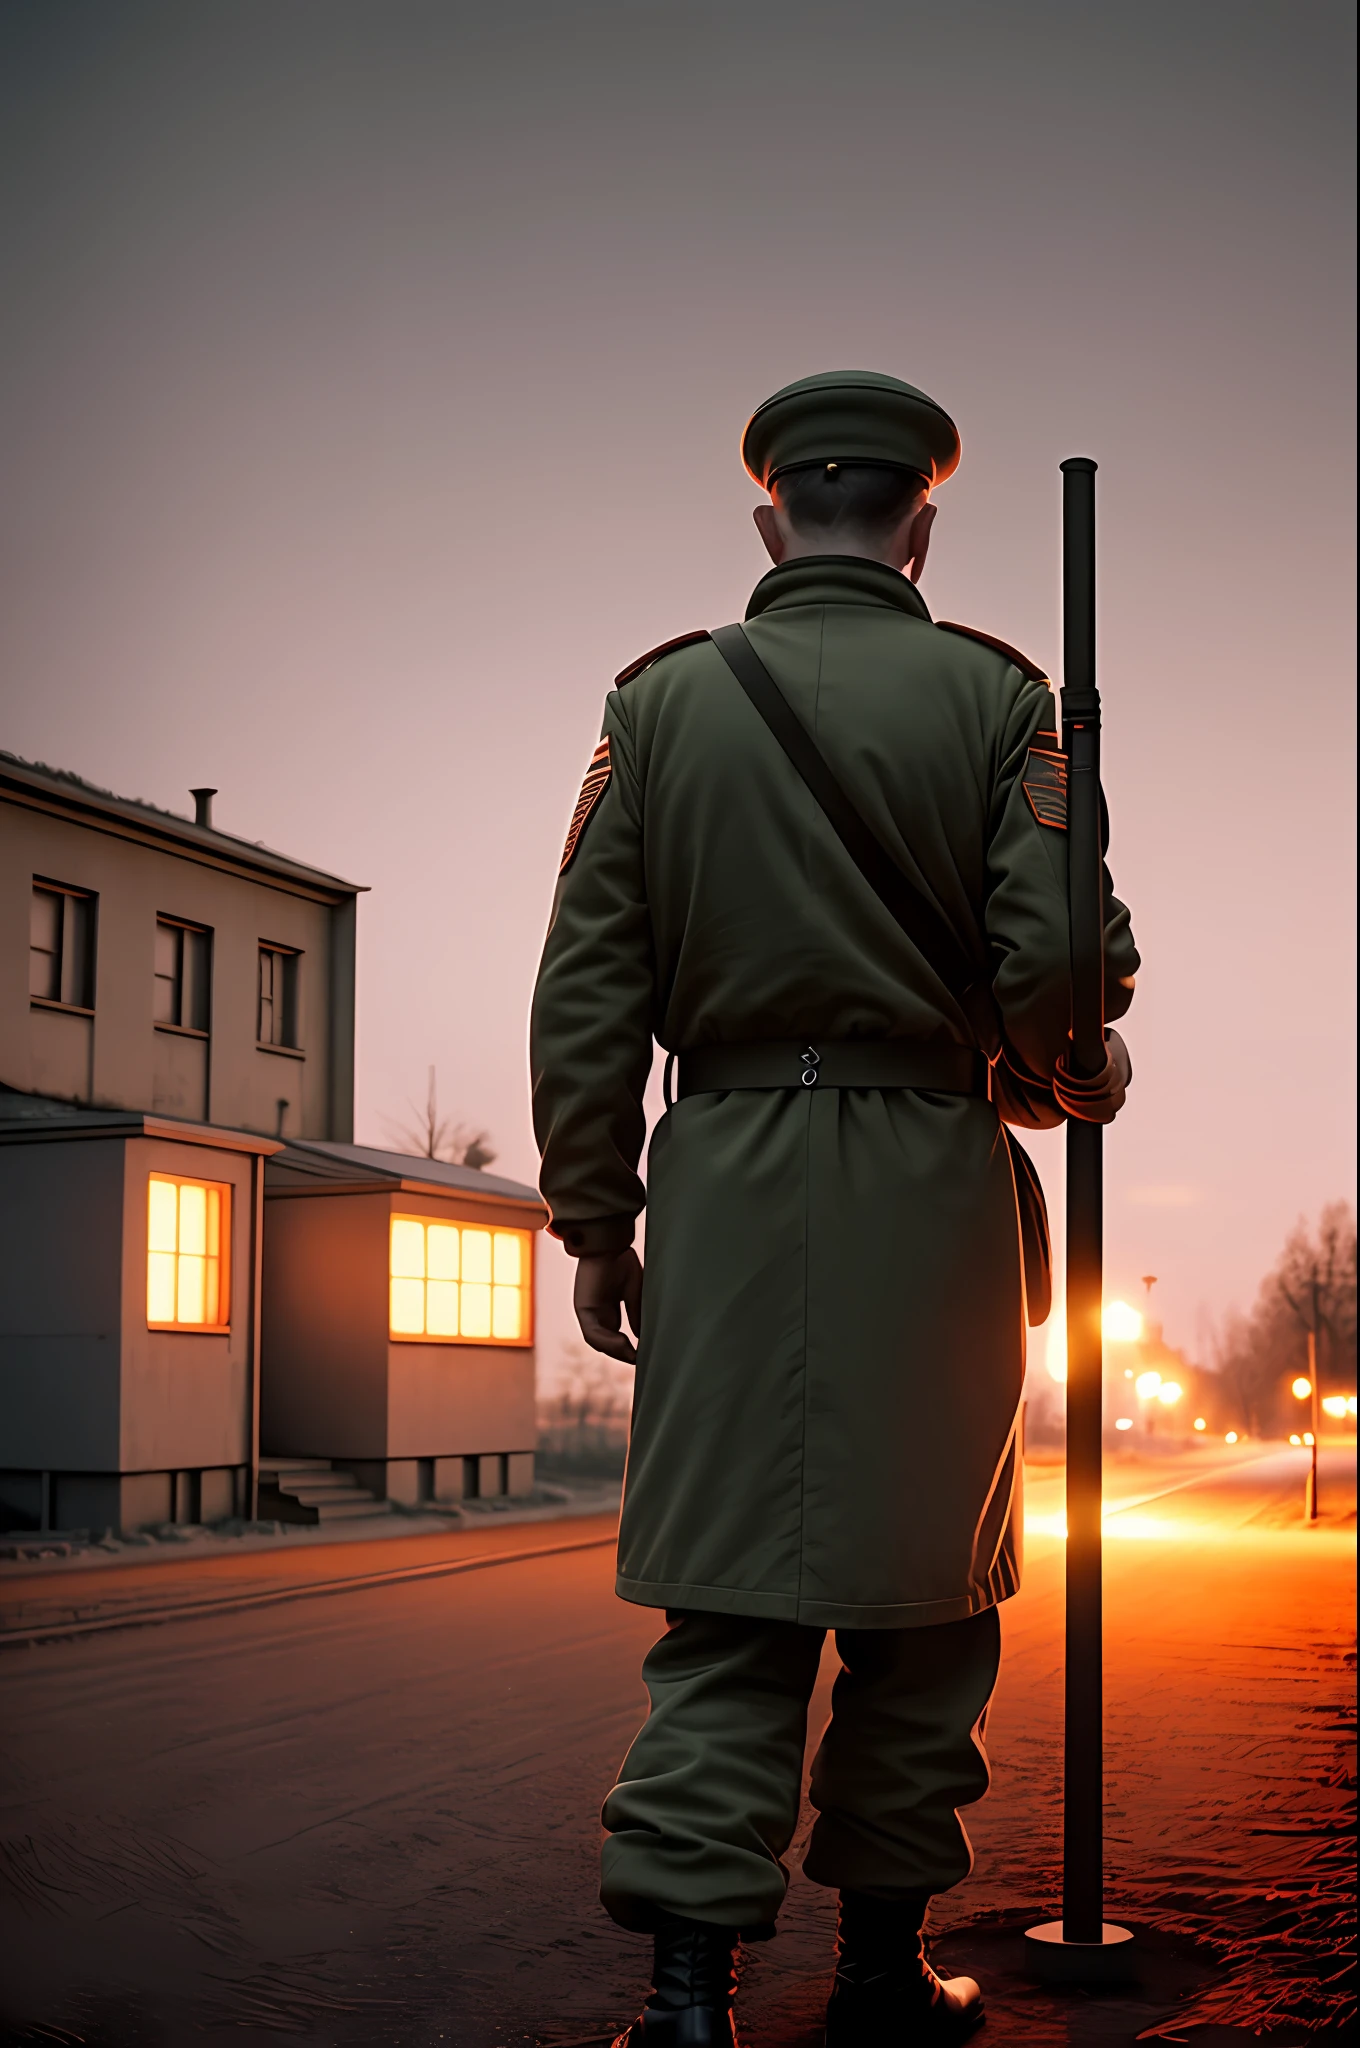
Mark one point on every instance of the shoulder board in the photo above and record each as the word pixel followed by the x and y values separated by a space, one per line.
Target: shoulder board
pixel 635 668
pixel 1021 661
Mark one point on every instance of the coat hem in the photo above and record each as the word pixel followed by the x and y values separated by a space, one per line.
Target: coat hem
pixel 809 1613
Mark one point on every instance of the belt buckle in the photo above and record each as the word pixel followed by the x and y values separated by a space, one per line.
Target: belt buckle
pixel 812 1059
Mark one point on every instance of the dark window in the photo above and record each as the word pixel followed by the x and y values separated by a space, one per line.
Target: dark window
pixel 61 946
pixel 183 968
pixel 278 996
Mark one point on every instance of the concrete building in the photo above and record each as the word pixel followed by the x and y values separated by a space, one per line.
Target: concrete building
pixel 176 1010
pixel 398 1323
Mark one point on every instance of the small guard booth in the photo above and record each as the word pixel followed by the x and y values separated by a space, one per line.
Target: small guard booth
pixel 129 1340
pixel 399 1322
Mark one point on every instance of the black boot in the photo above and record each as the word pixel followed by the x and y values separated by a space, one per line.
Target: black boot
pixel 693 1981
pixel 886 1995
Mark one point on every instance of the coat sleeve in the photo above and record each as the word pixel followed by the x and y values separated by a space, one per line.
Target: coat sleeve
pixel 1027 918
pixel 594 1010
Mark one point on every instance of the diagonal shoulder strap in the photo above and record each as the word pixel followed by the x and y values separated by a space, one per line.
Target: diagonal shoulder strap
pixel 914 912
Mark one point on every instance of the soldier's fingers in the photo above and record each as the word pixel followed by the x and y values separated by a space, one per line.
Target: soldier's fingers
pixel 600 1337
pixel 632 1298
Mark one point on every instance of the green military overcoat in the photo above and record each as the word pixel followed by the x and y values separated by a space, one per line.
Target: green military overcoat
pixel 826 1407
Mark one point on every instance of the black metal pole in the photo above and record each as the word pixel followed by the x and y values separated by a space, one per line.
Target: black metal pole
pixel 1083 1855
pixel 1082 1947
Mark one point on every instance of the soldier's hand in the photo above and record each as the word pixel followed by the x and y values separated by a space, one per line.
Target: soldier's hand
pixel 1099 1100
pixel 607 1283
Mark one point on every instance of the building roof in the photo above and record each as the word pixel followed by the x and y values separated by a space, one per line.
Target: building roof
pixel 25 1119
pixel 322 1159
pixel 57 790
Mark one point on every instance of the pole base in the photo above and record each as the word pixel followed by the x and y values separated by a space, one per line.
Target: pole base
pixel 1054 1960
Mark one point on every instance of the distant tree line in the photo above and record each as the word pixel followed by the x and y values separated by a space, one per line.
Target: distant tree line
pixel 1311 1286
pixel 583 1427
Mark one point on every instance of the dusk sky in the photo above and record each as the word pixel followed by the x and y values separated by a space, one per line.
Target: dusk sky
pixel 371 383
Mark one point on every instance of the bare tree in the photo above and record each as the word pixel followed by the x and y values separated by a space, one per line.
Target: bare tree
pixel 431 1136
pixel 1259 1353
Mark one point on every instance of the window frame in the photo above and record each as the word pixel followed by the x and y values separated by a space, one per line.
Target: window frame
pixel 185 983
pixel 290 958
pixel 224 1190
pixel 75 955
pixel 526 1287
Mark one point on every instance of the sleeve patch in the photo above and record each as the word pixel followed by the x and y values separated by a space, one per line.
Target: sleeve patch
pixel 1045 784
pixel 592 789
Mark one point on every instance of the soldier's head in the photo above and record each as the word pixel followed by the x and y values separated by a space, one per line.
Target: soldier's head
pixel 850 458
pixel 876 509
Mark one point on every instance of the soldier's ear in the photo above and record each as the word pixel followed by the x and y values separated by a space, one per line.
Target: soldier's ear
pixel 918 541
pixel 767 526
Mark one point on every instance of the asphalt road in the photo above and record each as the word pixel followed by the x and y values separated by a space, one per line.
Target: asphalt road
pixel 371 1817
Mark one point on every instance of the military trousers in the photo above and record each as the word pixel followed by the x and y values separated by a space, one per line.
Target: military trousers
pixel 707 1801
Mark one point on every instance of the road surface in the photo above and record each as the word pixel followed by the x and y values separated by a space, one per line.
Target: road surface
pixel 370 1816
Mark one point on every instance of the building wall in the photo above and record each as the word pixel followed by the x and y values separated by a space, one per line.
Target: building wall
pixel 186 1396
pixel 61 1304
pixel 118 1058
pixel 458 1400
pixel 323 1388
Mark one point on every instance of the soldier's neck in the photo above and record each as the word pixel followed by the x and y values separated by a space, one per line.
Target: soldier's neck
pixel 796 549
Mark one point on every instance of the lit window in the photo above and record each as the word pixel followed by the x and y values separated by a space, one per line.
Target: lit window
pixel 277 1020
pixel 188 1228
pixel 180 987
pixel 456 1283
pixel 61 946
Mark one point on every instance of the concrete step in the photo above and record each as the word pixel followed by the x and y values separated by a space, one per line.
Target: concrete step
pixel 309 1491
pixel 360 1509
pixel 318 1483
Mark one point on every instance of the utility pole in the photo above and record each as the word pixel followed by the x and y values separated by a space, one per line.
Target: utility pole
pixel 1310 1498
pixel 1081 1947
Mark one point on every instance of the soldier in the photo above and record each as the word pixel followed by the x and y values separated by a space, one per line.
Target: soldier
pixel 822 861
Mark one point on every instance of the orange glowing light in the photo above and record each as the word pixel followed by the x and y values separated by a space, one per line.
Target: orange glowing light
pixel 456 1283
pixel 1147 1385
pixel 1297 1442
pixel 1124 1422
pixel 188 1234
pixel 1200 1423
pixel 1121 1324
pixel 1230 1437
pixel 1308 1437
pixel 1169 1393
pixel 1336 1405
pixel 1301 1388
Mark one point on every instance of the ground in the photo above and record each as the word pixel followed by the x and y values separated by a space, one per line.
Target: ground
pixel 369 1815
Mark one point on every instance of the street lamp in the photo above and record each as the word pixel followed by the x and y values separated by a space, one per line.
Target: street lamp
pixel 1306 1389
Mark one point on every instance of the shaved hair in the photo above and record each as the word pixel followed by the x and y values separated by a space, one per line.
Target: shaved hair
pixel 867 499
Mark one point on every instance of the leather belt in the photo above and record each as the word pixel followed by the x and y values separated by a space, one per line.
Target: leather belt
pixel 830 1063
